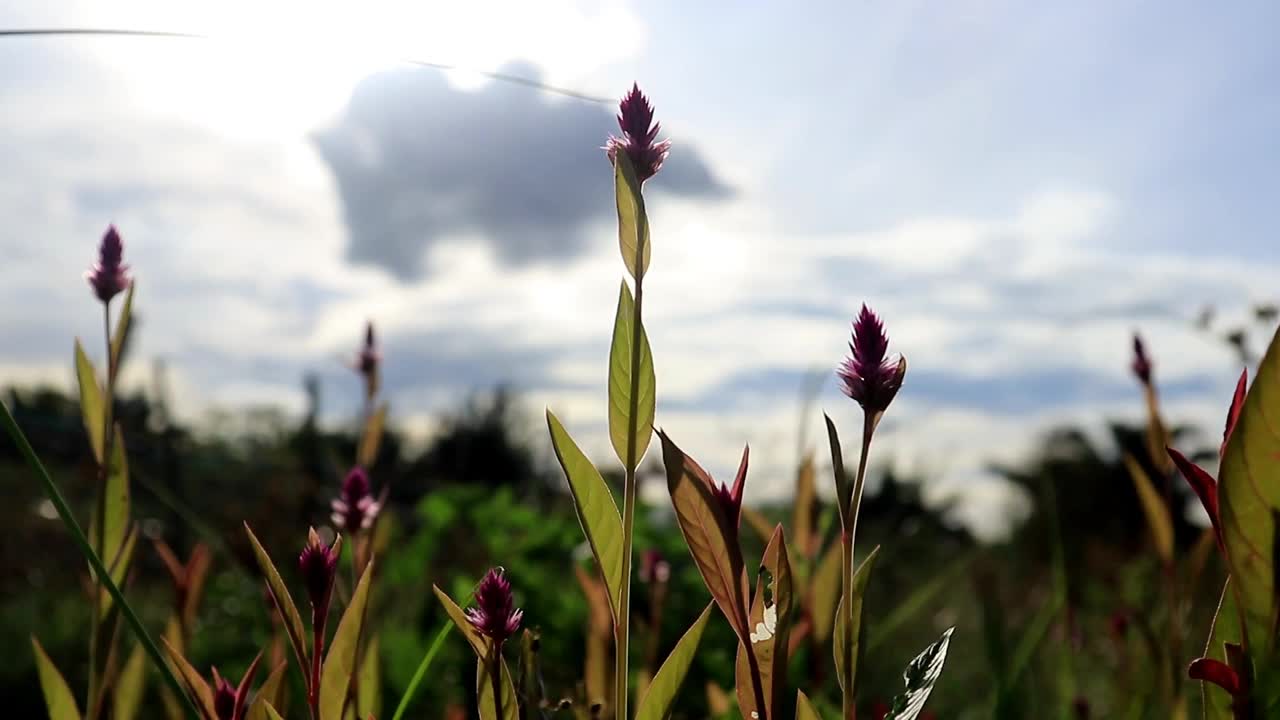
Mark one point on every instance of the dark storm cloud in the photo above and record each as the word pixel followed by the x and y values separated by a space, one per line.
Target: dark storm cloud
pixel 417 161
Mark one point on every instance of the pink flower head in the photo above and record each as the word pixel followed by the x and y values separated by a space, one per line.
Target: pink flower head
pixel 1141 365
pixel 867 375
pixel 355 507
pixel 318 563
pixel 495 615
pixel 231 702
pixel 109 276
pixel 639 136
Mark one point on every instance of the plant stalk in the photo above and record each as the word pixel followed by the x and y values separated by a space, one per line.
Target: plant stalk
pixel 849 520
pixel 495 677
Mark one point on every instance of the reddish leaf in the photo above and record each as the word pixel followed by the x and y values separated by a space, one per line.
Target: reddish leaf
pixel 770 627
pixel 1204 485
pixel 1216 672
pixel 1233 414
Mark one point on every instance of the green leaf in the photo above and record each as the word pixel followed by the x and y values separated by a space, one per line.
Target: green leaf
pixel 478 642
pixel 708 532
pixel 371 438
pixel 1225 629
pixel 1154 507
pixel 57 694
pixel 848 628
pixel 920 677
pixel 131 684
pixel 119 568
pixel 804 709
pixel 269 695
pixel 340 659
pixel 597 512
pixel 770 630
pixel 1249 502
pixel 91 406
pixel 844 489
pixel 272 714
pixel 484 692
pixel 283 601
pixel 660 698
pixel 370 680
pixel 122 328
pixel 116 525
pixel 421 672
pixel 620 378
pixel 633 223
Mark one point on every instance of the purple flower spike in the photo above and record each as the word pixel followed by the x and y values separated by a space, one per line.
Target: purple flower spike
pixel 639 136
pixel 355 508
pixel 1141 363
pixel 867 375
pixel 109 276
pixel 318 563
pixel 495 615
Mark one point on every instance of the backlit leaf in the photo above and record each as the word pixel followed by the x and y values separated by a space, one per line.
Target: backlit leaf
pixel 91 405
pixel 115 505
pixel 484 692
pixel 371 680
pixel 920 677
pixel 269 695
pixel 824 593
pixel 621 356
pixel 283 602
pixel 1249 503
pixel 130 686
pixel 708 533
pixel 597 512
pixel 371 438
pixel 633 223
pixel 844 488
pixel 804 709
pixel 478 642
pixel 196 686
pixel 122 327
pixel 1225 629
pixel 770 624
pixel 847 643
pixel 57 694
pixel 1154 508
pixel 660 698
pixel 340 659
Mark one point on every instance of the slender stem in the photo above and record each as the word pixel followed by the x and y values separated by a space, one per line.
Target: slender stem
pixel 495 676
pixel 69 520
pixel 104 473
pixel 317 653
pixel 421 672
pixel 850 531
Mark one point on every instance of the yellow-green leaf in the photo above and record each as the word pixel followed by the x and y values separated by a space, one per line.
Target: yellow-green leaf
pixel 621 360
pixel 57 694
pixel 660 698
pixel 119 568
pixel 1225 629
pixel 597 512
pixel 484 692
pixel 283 601
pixel 770 624
pixel 633 223
pixel 804 709
pixel 370 680
pixel 122 328
pixel 340 659
pixel 130 685
pixel 269 695
pixel 1154 507
pixel 848 628
pixel 824 593
pixel 196 686
pixel 371 438
pixel 272 714
pixel 91 406
pixel 1249 504
pixel 115 521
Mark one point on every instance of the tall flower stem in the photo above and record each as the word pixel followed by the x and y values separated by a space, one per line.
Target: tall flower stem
pixel 317 653
pixel 495 677
pixel 104 472
pixel 850 520
pixel 622 622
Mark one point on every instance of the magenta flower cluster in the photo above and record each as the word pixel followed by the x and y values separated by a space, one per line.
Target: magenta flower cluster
pixel 639 136
pixel 495 615
pixel 109 276
pixel 355 508
pixel 868 376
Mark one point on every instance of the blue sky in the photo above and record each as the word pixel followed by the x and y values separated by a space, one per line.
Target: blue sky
pixel 1015 186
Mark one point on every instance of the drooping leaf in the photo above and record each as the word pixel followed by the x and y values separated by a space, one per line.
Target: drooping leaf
pixel 846 644
pixel 708 533
pixel 920 677
pixel 57 694
pixel 122 327
pixel 197 689
pixel 340 659
pixel 371 437
pixel 92 408
pixel 371 680
pixel 283 602
pixel 844 488
pixel 1249 503
pixel 130 686
pixel 659 699
pixel 484 692
pixel 770 624
pixel 1154 508
pixel 269 695
pixel 597 512
pixel 1225 629
pixel 824 593
pixel 633 223
pixel 621 360
pixel 804 709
